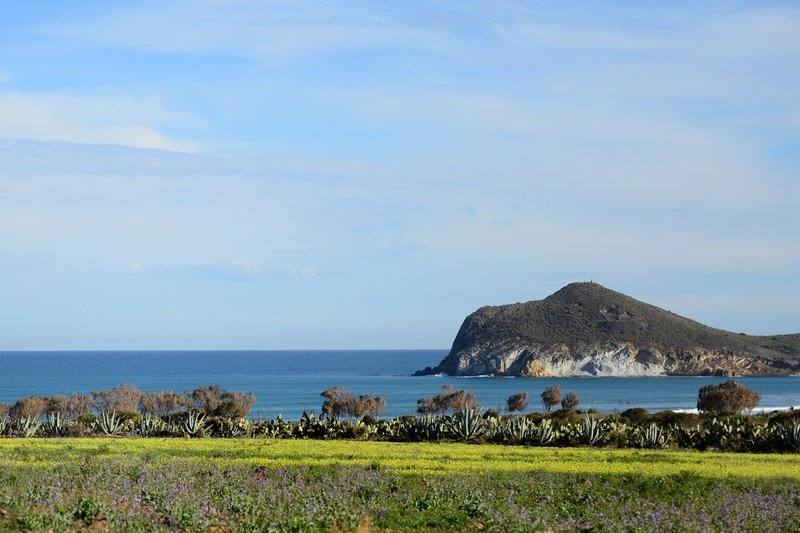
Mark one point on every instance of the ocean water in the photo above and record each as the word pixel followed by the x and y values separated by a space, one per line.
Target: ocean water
pixel 288 382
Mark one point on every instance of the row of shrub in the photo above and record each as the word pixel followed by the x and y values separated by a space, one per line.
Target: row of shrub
pixel 451 414
pixel 211 400
pixel 566 427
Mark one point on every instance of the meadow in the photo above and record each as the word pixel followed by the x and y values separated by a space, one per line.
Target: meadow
pixel 295 485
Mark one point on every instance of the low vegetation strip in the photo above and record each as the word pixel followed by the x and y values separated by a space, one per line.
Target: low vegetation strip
pixel 411 458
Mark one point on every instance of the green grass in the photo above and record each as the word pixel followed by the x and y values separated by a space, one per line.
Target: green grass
pixel 417 459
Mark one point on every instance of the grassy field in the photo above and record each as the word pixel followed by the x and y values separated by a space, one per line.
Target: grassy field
pixel 418 459
pixel 299 485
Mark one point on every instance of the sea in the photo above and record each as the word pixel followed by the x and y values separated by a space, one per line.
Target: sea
pixel 290 382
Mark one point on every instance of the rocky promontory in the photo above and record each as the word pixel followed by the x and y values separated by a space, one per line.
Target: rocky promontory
pixel 585 329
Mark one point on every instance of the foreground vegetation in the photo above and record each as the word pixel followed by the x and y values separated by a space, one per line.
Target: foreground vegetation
pixel 301 484
pixel 451 415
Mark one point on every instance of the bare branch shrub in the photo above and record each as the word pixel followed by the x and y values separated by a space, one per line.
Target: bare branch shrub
pixel 517 402
pixel 213 400
pixel 160 403
pixel 121 399
pixel 29 407
pixel 551 396
pixel 570 401
pixel 449 399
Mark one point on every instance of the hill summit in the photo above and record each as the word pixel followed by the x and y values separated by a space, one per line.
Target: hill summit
pixel 585 329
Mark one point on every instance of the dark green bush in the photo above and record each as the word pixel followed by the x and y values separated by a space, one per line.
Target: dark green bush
pixel 671 418
pixel 565 416
pixel 728 397
pixel 635 416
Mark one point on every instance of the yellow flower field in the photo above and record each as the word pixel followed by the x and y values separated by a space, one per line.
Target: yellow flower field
pixel 421 458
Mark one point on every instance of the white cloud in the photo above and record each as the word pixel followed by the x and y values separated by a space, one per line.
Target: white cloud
pixel 100 117
pixel 263 30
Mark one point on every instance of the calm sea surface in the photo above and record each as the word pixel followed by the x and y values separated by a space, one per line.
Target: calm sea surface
pixel 287 382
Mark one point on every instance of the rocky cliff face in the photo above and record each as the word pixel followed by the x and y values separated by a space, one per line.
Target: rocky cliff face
pixel 585 329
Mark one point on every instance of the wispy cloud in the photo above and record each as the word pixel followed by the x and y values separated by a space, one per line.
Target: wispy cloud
pixel 102 117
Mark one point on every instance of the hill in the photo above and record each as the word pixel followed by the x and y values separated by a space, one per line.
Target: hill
pixel 587 329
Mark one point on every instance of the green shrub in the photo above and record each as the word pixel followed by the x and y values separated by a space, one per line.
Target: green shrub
pixel 671 418
pixel 636 416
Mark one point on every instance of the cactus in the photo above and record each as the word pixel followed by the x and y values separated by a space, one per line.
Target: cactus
pixel 54 426
pixel 194 424
pixel 722 435
pixel 274 429
pixel 310 426
pixel 28 426
pixel 108 423
pixel 466 425
pixel 232 427
pixel 651 436
pixel 689 437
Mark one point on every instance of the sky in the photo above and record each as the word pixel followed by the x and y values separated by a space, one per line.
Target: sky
pixel 362 175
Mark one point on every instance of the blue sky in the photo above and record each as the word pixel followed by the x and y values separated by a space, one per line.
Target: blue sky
pixel 229 174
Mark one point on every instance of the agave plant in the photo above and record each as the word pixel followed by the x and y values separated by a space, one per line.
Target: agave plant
pixel 543 433
pixel 28 426
pixel 591 431
pixel 466 425
pixel 425 428
pixel 108 423
pixel 151 425
pixel 194 424
pixel 514 430
pixel 789 437
pixel 652 436
pixel 54 426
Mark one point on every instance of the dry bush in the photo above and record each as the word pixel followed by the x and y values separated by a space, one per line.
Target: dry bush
pixel 517 402
pixel 161 403
pixel 213 400
pixel 121 399
pixel 728 397
pixel 334 401
pixel 70 406
pixel 3 411
pixel 29 407
pixel 449 399
pixel 570 401
pixel 551 396
pixel 339 402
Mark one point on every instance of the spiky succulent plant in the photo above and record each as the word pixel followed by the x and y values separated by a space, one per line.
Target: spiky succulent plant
pixel 466 425
pixel 194 424
pixel 108 423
